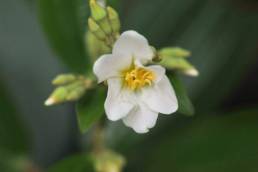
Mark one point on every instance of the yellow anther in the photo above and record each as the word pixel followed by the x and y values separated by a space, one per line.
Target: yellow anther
pixel 138 77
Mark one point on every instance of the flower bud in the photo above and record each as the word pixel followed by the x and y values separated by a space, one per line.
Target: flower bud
pixel 75 94
pixel 114 19
pixel 63 79
pixel 99 14
pixel 97 11
pixel 174 52
pixel 58 96
pixel 179 64
pixel 96 30
pixel 95 46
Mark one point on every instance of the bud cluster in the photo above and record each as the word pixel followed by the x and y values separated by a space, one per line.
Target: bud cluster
pixel 104 23
pixel 70 87
pixel 174 58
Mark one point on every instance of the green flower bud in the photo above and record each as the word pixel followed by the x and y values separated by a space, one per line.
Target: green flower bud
pixel 179 64
pixel 95 47
pixel 99 14
pixel 64 79
pixel 96 30
pixel 105 26
pixel 97 11
pixel 114 19
pixel 58 96
pixel 75 94
pixel 174 52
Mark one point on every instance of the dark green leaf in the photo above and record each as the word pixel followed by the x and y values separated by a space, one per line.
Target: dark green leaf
pixel 184 102
pixel 76 163
pixel 62 22
pixel 90 108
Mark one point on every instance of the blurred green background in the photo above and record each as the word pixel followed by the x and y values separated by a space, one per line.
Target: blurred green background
pixel 42 38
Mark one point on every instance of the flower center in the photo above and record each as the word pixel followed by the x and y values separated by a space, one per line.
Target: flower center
pixel 137 78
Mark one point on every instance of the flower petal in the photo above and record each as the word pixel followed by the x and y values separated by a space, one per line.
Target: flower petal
pixel 132 44
pixel 118 103
pixel 158 70
pixel 161 97
pixel 110 66
pixel 141 119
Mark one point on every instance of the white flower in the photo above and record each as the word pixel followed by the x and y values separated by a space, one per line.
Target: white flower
pixel 136 93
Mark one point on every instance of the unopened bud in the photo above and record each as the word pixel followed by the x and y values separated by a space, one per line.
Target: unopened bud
pixel 95 46
pixel 174 52
pixel 97 11
pixel 179 64
pixel 105 26
pixel 96 30
pixel 99 14
pixel 114 19
pixel 75 94
pixel 64 79
pixel 58 96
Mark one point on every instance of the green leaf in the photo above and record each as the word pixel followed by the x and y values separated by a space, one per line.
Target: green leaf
pixel 185 105
pixel 13 138
pixel 76 163
pixel 62 21
pixel 90 108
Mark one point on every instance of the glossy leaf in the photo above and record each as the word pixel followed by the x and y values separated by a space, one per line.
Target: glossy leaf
pixel 90 108
pixel 62 21
pixel 76 163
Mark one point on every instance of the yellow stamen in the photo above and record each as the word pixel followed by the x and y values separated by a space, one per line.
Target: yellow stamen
pixel 138 77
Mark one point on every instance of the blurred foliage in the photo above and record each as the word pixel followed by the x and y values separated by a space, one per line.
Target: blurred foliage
pixel 222 142
pixel 76 163
pixel 13 138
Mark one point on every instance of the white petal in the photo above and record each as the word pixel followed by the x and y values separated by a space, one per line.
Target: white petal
pixel 132 44
pixel 141 119
pixel 118 103
pixel 161 97
pixel 110 66
pixel 159 72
